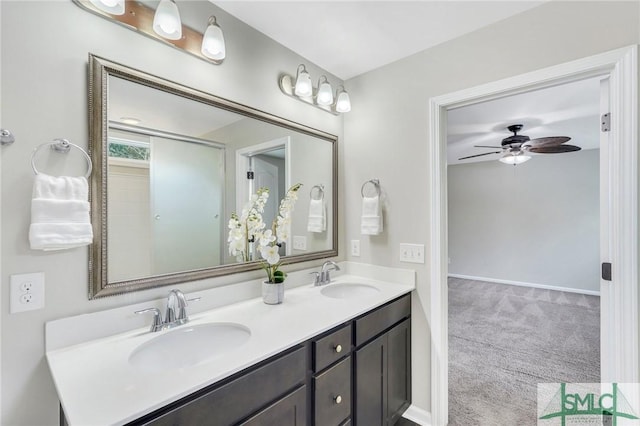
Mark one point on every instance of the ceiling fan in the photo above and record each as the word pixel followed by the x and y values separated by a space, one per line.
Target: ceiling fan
pixel 514 148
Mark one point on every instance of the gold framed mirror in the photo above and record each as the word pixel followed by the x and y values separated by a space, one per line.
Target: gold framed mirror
pixel 171 165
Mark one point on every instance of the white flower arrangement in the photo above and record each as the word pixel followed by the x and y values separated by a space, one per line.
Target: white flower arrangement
pixel 249 227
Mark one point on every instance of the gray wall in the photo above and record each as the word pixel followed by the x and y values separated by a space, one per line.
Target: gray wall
pixel 535 223
pixel 44 51
pixel 387 132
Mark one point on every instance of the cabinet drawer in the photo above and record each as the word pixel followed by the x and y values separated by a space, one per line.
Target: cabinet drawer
pixel 333 394
pixel 331 348
pixel 288 411
pixel 382 318
pixel 238 398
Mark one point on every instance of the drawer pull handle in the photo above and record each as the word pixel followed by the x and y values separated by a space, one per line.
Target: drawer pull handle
pixel 338 348
pixel 338 399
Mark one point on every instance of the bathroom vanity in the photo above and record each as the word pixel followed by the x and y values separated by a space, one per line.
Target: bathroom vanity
pixel 330 355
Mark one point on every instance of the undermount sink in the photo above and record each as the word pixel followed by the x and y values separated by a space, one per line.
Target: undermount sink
pixel 348 290
pixel 187 345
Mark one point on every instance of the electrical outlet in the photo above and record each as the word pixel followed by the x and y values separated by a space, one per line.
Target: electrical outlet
pixel 27 292
pixel 413 253
pixel 355 247
pixel 299 242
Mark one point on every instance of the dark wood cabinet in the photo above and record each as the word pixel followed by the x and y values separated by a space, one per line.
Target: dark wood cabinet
pixel 288 411
pixel 382 369
pixel 357 374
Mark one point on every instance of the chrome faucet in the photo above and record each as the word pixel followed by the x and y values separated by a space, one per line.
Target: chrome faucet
pixel 175 315
pixel 324 277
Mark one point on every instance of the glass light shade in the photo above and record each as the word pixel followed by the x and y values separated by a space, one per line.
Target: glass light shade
pixel 303 83
pixel 325 94
pixel 343 104
pixel 513 159
pixel 213 46
pixel 166 22
pixel 113 7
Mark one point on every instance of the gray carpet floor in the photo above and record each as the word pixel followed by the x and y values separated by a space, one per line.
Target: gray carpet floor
pixel 504 340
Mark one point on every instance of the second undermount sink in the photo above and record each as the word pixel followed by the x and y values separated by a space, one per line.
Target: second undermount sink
pixel 348 290
pixel 187 345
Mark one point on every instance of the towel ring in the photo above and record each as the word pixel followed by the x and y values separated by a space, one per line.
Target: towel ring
pixel 320 192
pixel 61 146
pixel 374 182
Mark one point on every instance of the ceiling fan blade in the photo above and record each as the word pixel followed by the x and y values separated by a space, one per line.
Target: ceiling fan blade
pixel 479 155
pixel 487 146
pixel 557 149
pixel 549 141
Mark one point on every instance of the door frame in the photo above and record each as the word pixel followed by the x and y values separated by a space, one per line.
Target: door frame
pixel 619 357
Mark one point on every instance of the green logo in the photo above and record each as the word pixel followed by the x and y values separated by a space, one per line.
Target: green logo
pixel 584 403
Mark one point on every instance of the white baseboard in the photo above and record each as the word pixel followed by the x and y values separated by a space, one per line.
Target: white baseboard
pixel 523 284
pixel 418 415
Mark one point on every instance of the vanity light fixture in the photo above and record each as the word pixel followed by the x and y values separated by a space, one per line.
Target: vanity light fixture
pixel 325 92
pixel 130 120
pixel 113 7
pixel 304 88
pixel 166 21
pixel 163 24
pixel 322 97
pixel 213 46
pixel 514 158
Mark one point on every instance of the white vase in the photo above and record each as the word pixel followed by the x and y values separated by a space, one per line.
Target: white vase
pixel 272 294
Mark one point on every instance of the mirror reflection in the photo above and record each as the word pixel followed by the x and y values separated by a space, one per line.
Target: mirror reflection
pixel 176 164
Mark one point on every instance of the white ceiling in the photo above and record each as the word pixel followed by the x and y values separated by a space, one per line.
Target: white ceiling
pixel 348 38
pixel 571 109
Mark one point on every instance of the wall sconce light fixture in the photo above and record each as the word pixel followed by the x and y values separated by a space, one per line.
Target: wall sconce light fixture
pixel 163 24
pixel 302 89
pixel 213 46
pixel 166 20
pixel 113 7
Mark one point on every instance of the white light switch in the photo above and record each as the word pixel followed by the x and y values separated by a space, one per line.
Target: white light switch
pixel 27 292
pixel 355 247
pixel 299 242
pixel 413 253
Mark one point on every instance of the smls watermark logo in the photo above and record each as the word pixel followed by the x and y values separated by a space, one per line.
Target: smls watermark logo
pixel 608 404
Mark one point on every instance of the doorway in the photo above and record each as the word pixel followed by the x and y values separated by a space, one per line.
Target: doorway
pixel 264 165
pixel 619 241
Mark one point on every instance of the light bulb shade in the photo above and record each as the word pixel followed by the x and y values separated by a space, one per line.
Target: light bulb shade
pixel 213 46
pixel 112 7
pixel 343 104
pixel 303 87
pixel 325 93
pixel 513 159
pixel 166 22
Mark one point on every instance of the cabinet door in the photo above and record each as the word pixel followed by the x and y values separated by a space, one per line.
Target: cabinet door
pixel 288 411
pixel 371 386
pixel 398 370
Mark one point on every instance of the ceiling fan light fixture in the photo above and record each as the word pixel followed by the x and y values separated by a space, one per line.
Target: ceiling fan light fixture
pixel 514 158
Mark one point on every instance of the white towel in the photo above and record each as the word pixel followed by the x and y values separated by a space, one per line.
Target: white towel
pixel 60 213
pixel 317 221
pixel 371 223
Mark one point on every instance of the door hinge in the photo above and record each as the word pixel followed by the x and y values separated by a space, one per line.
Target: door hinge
pixel 605 122
pixel 606 271
pixel 250 175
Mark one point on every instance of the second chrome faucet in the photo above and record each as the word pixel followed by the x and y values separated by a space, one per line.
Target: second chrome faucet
pixel 324 277
pixel 175 314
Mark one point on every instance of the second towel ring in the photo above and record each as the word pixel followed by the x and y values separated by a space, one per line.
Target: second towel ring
pixel 61 146
pixel 320 191
pixel 374 182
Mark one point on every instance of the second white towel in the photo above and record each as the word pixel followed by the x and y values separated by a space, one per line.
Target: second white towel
pixel 317 221
pixel 371 223
pixel 59 213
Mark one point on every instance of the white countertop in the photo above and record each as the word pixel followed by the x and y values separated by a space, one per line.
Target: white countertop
pixel 97 385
